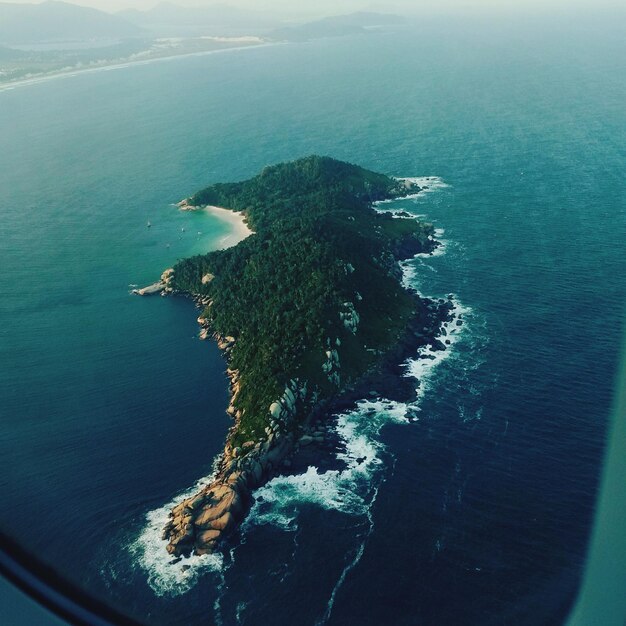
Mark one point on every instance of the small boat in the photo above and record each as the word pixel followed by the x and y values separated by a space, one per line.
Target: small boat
pixel 149 224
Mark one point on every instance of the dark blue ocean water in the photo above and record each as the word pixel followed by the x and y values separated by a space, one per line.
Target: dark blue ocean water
pixel 478 512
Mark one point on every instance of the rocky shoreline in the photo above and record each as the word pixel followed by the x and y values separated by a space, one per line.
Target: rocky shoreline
pixel 163 286
pixel 200 523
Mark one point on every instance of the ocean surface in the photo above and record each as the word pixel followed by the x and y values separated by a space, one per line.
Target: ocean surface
pixel 477 509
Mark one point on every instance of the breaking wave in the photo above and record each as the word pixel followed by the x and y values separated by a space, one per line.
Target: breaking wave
pixel 343 490
pixel 168 575
pixel 354 489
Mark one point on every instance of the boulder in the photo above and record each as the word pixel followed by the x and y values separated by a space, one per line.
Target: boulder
pixel 180 545
pixel 228 503
pixel 242 485
pixel 207 542
pixel 224 523
pixel 196 501
pixel 208 535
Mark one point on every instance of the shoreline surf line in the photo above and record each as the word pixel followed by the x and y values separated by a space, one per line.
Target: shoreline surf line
pixel 121 64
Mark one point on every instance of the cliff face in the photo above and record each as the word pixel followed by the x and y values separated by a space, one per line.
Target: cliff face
pixel 309 311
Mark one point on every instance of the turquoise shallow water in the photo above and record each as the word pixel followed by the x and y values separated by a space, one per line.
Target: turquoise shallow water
pixel 478 512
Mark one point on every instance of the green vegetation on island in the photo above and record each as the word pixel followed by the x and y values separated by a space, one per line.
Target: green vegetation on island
pixel 310 311
pixel 314 294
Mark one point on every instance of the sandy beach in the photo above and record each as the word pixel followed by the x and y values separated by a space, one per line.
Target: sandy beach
pixel 237 222
pixel 239 230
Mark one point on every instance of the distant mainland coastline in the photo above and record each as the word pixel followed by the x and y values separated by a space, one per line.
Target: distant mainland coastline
pixel 33 78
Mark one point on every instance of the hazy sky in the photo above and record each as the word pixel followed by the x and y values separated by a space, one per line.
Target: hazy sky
pixel 334 7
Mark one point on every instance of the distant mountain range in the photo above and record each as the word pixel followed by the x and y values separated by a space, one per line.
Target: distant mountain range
pixel 55 22
pixel 59 21
pixel 222 18
pixel 336 26
pixel 167 16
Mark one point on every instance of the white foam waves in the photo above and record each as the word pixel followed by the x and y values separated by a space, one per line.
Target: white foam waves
pixel 428 184
pixel 351 565
pixel 427 360
pixel 353 490
pixel 345 490
pixel 166 574
pixel 425 364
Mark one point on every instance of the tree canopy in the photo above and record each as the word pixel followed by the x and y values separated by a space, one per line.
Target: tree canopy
pixel 319 252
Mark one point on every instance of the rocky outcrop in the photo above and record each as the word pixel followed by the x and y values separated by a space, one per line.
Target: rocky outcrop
pixel 285 407
pixel 162 286
pixel 403 187
pixel 331 366
pixel 417 243
pixel 349 317
pixel 150 290
pixel 200 523
pixel 184 205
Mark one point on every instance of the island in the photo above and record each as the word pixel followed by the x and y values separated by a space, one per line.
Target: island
pixel 312 315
